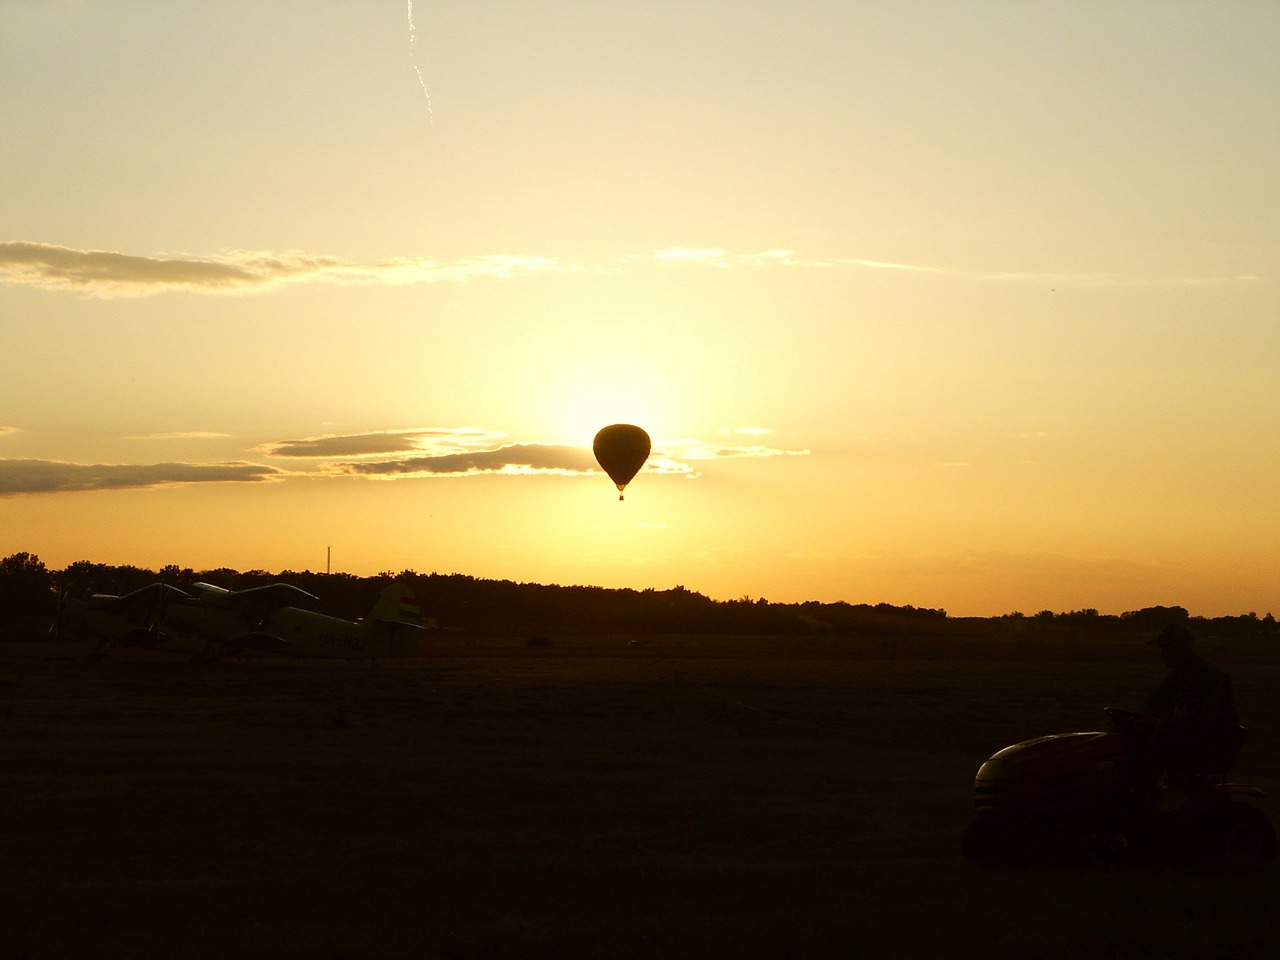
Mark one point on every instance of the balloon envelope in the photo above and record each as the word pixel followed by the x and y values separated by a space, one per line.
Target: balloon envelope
pixel 621 450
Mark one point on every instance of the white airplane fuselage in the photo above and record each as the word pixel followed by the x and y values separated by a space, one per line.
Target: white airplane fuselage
pixel 310 634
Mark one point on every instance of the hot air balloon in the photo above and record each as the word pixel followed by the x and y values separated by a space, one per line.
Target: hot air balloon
pixel 621 450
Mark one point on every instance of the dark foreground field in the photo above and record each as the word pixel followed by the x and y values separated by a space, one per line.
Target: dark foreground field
pixel 685 798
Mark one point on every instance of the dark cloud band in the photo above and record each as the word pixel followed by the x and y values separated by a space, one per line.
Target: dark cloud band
pixel 54 476
pixel 512 458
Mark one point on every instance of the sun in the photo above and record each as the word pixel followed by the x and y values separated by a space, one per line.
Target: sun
pixel 600 394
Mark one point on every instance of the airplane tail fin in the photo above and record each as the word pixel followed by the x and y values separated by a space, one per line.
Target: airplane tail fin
pixel 397 605
pixel 397 613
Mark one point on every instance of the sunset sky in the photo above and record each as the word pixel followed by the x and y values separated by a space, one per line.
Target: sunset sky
pixel 963 305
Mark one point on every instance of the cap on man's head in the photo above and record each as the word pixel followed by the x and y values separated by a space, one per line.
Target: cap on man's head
pixel 1173 633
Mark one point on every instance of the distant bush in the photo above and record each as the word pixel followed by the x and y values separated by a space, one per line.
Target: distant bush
pixel 26 587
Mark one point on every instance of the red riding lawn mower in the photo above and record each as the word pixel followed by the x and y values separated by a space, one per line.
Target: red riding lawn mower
pixel 1070 798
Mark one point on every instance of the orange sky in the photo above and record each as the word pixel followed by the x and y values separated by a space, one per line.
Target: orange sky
pixel 963 306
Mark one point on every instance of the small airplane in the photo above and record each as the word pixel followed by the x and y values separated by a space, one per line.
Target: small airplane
pixel 212 622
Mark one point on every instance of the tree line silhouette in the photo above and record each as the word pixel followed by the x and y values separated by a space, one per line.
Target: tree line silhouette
pixel 29 591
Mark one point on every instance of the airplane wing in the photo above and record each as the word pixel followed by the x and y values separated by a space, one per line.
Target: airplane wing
pixel 133 619
pixel 142 601
pixel 273 595
pixel 256 604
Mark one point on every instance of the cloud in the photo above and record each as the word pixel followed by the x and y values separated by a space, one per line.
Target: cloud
pixel 381 454
pixel 773 258
pixel 885 265
pixel 461 452
pixel 439 452
pixel 713 256
pixel 435 451
pixel 435 441
pixel 180 435
pixel 102 273
pixel 48 265
pixel 55 476
pixel 514 458
pixel 1115 279
pixel 469 451
pixel 719 257
pixel 106 274
pixel 699 450
pixel 4 430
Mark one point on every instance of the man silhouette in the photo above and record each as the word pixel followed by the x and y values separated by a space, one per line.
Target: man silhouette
pixel 1190 726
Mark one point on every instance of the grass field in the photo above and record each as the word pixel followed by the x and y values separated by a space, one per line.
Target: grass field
pixel 682 797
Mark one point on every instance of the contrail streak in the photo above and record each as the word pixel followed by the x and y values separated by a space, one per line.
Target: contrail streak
pixel 413 57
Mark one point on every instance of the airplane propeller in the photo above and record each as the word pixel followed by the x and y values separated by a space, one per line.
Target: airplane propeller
pixel 155 616
pixel 55 628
